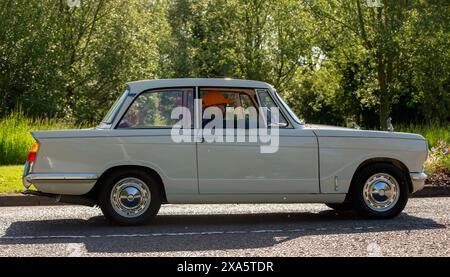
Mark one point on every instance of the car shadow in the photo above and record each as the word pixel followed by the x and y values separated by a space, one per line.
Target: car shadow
pixel 203 232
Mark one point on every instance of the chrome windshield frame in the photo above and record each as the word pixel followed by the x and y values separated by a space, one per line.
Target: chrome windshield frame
pixel 288 109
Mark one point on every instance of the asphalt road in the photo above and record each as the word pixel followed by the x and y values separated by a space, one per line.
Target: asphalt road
pixel 228 230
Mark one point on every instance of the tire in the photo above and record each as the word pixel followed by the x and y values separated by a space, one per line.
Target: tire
pixel 340 207
pixel 368 193
pixel 130 197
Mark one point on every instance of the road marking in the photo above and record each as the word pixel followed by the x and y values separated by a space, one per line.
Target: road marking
pixel 212 233
pixel 267 231
pixel 200 233
pixel 236 232
pixel 296 230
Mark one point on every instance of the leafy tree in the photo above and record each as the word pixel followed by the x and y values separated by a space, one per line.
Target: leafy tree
pixel 333 60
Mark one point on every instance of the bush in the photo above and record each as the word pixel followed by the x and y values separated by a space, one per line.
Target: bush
pixel 438 157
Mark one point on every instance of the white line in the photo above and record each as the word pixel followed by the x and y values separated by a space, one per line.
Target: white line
pixel 266 231
pixel 44 237
pixel 296 230
pixel 212 233
pixel 179 234
pixel 236 232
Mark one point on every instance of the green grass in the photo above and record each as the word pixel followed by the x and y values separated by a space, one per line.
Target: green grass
pixel 10 179
pixel 15 137
pixel 432 132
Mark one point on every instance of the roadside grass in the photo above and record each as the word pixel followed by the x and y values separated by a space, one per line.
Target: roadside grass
pixel 10 179
pixel 433 132
pixel 438 137
pixel 15 137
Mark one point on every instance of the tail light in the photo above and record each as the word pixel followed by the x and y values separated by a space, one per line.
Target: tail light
pixel 33 151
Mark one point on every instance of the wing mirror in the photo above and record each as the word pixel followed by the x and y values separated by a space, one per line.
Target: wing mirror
pixel 277 125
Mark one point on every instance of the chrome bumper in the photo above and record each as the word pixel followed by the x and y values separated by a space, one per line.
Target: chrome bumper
pixel 26 170
pixel 58 183
pixel 418 181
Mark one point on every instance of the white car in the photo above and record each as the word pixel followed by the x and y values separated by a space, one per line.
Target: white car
pixel 131 164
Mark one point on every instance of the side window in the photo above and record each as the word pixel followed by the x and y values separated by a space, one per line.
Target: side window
pixel 246 101
pixel 227 98
pixel 218 98
pixel 267 101
pixel 153 109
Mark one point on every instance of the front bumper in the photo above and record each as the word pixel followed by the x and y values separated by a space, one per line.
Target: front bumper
pixel 418 181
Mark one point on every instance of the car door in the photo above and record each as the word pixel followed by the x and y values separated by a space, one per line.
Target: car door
pixel 240 167
pixel 145 137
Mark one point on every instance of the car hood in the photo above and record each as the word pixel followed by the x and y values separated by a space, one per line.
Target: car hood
pixel 334 131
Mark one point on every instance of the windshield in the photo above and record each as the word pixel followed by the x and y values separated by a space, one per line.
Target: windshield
pixel 108 119
pixel 291 112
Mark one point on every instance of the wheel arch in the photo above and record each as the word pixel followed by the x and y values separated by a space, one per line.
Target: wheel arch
pixel 94 192
pixel 397 163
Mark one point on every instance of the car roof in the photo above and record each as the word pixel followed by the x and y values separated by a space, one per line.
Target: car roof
pixel 139 86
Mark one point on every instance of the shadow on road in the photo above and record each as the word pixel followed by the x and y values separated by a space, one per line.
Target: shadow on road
pixel 182 232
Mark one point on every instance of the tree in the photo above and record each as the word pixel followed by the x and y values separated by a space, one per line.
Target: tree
pixel 380 33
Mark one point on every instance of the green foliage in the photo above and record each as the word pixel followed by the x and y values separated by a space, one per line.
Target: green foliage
pixel 433 132
pixel 72 63
pixel 438 157
pixel 15 137
pixel 333 60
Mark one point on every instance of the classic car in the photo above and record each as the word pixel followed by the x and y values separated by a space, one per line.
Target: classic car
pixel 130 163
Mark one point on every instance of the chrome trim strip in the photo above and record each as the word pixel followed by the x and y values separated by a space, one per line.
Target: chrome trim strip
pixel 61 176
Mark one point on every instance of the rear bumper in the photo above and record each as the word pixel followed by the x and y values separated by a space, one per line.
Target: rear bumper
pixel 418 181
pixel 59 183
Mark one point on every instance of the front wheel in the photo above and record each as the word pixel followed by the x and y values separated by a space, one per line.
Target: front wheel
pixel 130 198
pixel 380 191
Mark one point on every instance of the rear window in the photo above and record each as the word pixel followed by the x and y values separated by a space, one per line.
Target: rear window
pixel 109 118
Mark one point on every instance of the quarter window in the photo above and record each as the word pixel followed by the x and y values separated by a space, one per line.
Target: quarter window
pixel 267 101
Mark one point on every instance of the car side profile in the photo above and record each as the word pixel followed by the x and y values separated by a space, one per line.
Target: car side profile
pixel 130 163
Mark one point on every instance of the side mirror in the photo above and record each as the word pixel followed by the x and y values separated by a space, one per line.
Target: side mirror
pixel 277 125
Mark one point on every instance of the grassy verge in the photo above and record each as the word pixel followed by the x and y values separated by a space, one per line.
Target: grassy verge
pixel 10 179
pixel 432 132
pixel 15 137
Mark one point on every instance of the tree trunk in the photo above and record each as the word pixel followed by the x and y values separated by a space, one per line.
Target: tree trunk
pixel 382 61
pixel 384 93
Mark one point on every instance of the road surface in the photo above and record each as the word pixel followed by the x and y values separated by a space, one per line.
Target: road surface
pixel 228 230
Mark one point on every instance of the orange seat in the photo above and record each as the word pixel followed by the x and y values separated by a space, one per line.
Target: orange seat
pixel 214 98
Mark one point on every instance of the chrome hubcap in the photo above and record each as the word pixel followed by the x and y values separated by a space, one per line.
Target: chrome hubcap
pixel 130 197
pixel 381 192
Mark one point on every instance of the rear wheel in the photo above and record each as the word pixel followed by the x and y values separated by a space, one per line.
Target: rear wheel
pixel 380 191
pixel 130 197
